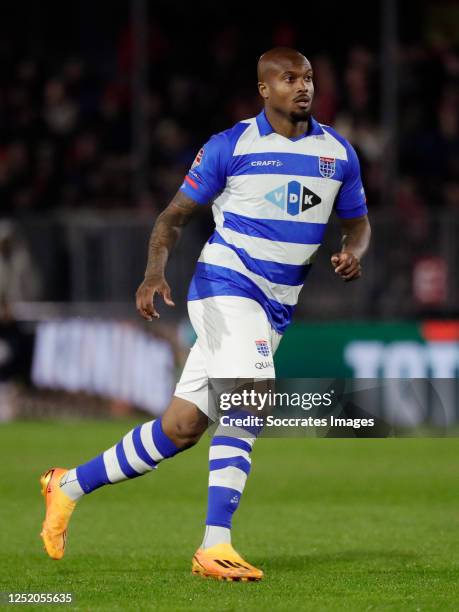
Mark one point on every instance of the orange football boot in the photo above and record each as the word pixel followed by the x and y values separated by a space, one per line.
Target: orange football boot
pixel 222 562
pixel 59 508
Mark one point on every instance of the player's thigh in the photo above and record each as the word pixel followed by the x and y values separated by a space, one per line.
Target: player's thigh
pixel 234 336
pixel 193 383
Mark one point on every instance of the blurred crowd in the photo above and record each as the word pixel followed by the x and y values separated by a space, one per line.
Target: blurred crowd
pixel 67 118
pixel 69 109
pixel 66 122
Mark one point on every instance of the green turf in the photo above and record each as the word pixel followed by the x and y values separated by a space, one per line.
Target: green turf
pixel 335 524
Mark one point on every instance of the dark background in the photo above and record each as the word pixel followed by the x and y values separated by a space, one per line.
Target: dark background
pixel 103 106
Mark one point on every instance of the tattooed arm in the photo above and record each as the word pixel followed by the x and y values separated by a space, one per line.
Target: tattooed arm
pixel 164 236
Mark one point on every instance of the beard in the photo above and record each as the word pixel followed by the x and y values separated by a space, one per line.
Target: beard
pixel 300 115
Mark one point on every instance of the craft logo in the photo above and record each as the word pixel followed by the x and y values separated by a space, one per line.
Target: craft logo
pixel 267 162
pixel 327 166
pixel 293 197
pixel 262 347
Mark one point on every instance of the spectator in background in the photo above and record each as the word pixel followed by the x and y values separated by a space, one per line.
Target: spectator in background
pixel 15 360
pixel 66 123
pixel 19 280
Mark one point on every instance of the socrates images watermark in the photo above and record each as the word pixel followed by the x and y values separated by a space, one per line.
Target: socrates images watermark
pixel 251 420
pixel 271 401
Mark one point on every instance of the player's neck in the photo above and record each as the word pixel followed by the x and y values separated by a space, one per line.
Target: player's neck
pixel 284 126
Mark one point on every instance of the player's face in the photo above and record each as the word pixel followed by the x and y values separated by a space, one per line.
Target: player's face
pixel 290 90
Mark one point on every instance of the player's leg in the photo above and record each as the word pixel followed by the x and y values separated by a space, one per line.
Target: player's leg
pixel 139 452
pixel 230 331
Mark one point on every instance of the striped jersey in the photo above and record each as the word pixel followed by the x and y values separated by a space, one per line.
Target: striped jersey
pixel 272 198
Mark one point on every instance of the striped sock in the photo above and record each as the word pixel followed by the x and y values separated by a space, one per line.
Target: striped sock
pixel 229 465
pixel 138 452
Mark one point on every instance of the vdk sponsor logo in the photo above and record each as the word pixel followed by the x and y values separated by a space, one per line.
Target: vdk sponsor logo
pixel 293 198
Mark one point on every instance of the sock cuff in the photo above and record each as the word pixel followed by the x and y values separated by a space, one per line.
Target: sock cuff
pixel 164 444
pixel 231 441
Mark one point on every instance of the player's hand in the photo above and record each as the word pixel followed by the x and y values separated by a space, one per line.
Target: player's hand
pixel 347 265
pixel 146 293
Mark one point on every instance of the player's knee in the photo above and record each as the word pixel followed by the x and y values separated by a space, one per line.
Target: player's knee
pixel 186 433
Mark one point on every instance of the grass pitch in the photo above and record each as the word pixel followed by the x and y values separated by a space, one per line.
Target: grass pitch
pixel 335 524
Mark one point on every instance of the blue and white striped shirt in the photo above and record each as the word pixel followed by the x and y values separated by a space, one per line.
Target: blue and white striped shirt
pixel 272 198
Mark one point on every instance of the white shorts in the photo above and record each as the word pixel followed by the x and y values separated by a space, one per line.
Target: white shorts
pixel 234 340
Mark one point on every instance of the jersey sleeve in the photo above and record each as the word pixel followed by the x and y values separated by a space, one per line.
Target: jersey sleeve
pixel 207 175
pixel 351 200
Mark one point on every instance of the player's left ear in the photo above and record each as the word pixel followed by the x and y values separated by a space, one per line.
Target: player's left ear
pixel 263 89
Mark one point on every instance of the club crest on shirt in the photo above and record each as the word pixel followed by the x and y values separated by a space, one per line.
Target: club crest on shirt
pixel 327 166
pixel 262 347
pixel 198 158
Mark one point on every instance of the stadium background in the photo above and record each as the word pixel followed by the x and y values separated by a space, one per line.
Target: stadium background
pixel 101 117
pixel 103 107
